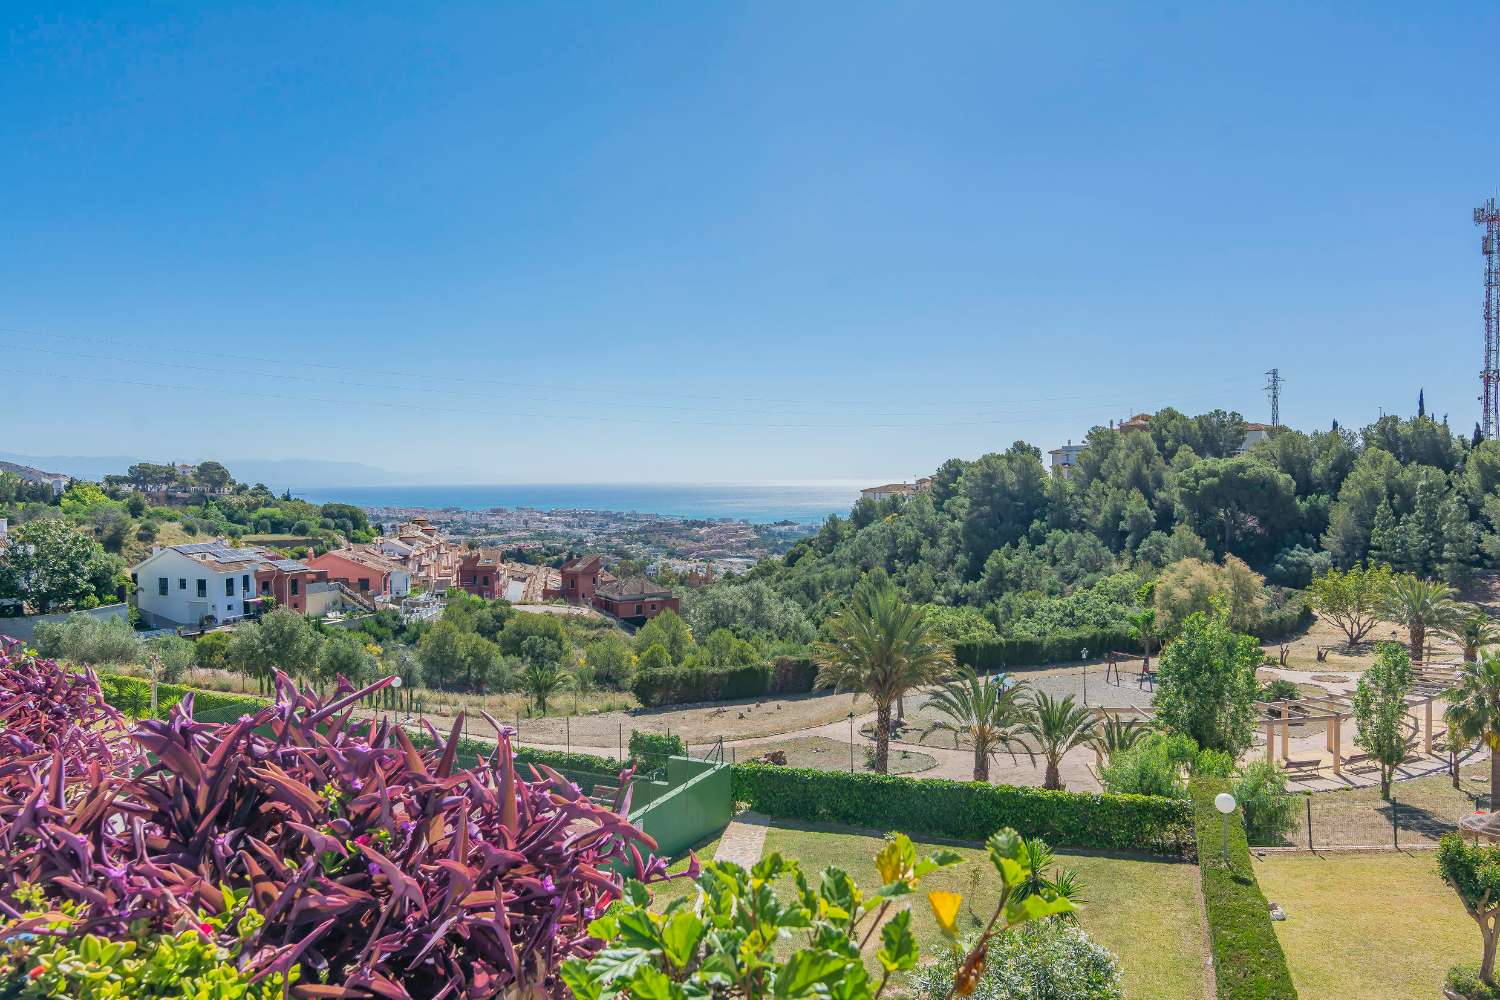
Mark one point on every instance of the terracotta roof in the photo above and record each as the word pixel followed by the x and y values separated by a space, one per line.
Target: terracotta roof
pixel 581 563
pixel 890 488
pixel 633 588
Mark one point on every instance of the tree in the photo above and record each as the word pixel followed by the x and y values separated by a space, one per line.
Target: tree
pixel 1055 726
pixel 1350 599
pixel 1220 433
pixel 1240 502
pixel 670 630
pixel 212 476
pixel 1206 683
pixel 286 641
pixel 1190 586
pixel 750 610
pixel 610 661
pixel 344 655
pixel 1473 714
pixel 1419 605
pixel 211 651
pixel 151 475
pixel 541 680
pixel 982 713
pixel 49 565
pixel 1474 631
pixel 1473 871
pixel 1380 711
pixel 880 646
pixel 655 657
pixel 1005 493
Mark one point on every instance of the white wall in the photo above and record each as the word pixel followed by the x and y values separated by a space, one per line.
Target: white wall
pixel 182 605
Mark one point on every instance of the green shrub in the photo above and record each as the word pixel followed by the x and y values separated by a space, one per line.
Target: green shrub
pixel 680 685
pixel 965 810
pixel 1045 960
pixel 85 639
pixel 1278 623
pixel 1147 768
pixel 1464 980
pixel 1248 960
pixel 1280 689
pixel 655 746
pixel 132 695
pixel 793 675
pixel 1260 787
pixel 1059 647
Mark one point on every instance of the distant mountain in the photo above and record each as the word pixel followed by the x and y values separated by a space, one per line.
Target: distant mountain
pixel 277 473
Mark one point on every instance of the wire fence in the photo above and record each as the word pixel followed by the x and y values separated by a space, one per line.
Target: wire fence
pixel 1415 816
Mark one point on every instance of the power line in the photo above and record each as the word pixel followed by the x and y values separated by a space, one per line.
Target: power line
pixel 611 418
pixel 1274 382
pixel 446 379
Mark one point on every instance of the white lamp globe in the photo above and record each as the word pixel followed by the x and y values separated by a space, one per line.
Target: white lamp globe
pixel 1224 802
pixel 395 682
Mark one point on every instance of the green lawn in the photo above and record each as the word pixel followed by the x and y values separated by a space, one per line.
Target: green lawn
pixel 1145 911
pixel 1376 926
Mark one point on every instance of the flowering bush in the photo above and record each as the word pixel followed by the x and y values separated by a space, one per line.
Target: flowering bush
pixel 380 869
pixel 197 961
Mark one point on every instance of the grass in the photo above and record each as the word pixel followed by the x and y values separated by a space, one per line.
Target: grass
pixel 1367 926
pixel 1145 911
pixel 1427 808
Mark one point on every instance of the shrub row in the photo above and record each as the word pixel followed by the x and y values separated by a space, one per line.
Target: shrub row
pixel 967 811
pixel 681 685
pixel 132 695
pixel 1248 959
pixel 1060 647
pixel 655 746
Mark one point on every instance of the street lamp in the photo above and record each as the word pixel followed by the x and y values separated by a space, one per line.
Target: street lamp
pixel 851 741
pixel 1224 802
pixel 1086 675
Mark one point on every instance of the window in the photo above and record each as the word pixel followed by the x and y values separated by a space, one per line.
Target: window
pixel 182 583
pixel 637 609
pixel 202 587
pixel 229 608
pixel 161 586
pixel 486 582
pixel 295 581
pixel 265 586
pixel 245 584
pixel 229 587
pixel 364 585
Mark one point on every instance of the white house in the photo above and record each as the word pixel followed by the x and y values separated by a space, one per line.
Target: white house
pixel 1253 433
pixel 184 584
pixel 1065 458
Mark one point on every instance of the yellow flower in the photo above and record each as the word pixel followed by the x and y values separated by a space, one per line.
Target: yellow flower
pixel 945 909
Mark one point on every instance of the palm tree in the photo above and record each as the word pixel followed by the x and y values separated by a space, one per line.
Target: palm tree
pixel 982 713
pixel 541 680
pixel 1473 714
pixel 1419 605
pixel 1057 725
pixel 881 646
pixel 1115 732
pixel 1474 631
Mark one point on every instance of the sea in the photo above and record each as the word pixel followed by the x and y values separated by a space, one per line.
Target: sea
pixel 761 503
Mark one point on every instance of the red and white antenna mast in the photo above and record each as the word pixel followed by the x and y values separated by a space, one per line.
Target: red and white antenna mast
pixel 1488 216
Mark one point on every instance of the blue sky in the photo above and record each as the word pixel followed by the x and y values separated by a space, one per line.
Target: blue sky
pixel 718 242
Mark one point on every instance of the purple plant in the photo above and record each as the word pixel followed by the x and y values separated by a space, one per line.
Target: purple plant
pixel 46 710
pixel 383 869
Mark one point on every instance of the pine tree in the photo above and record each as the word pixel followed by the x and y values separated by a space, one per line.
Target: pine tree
pixel 1422 529
pixel 1389 542
pixel 1421 403
pixel 1459 538
pixel 1478 435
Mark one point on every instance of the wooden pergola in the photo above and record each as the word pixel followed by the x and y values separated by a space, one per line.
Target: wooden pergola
pixel 1432 680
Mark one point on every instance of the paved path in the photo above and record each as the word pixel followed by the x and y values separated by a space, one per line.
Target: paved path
pixel 743 839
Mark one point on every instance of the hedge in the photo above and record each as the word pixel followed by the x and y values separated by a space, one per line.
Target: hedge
pixel 1059 647
pixel 132 695
pixel 1248 959
pixel 655 745
pixel 685 685
pixel 966 810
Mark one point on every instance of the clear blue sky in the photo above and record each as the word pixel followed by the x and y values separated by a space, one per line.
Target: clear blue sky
pixel 717 242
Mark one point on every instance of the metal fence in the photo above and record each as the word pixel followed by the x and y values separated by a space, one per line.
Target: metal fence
pixel 1416 815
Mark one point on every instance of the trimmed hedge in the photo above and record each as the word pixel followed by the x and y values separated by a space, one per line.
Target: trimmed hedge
pixel 965 810
pixel 686 685
pixel 1059 647
pixel 1248 959
pixel 655 745
pixel 132 695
